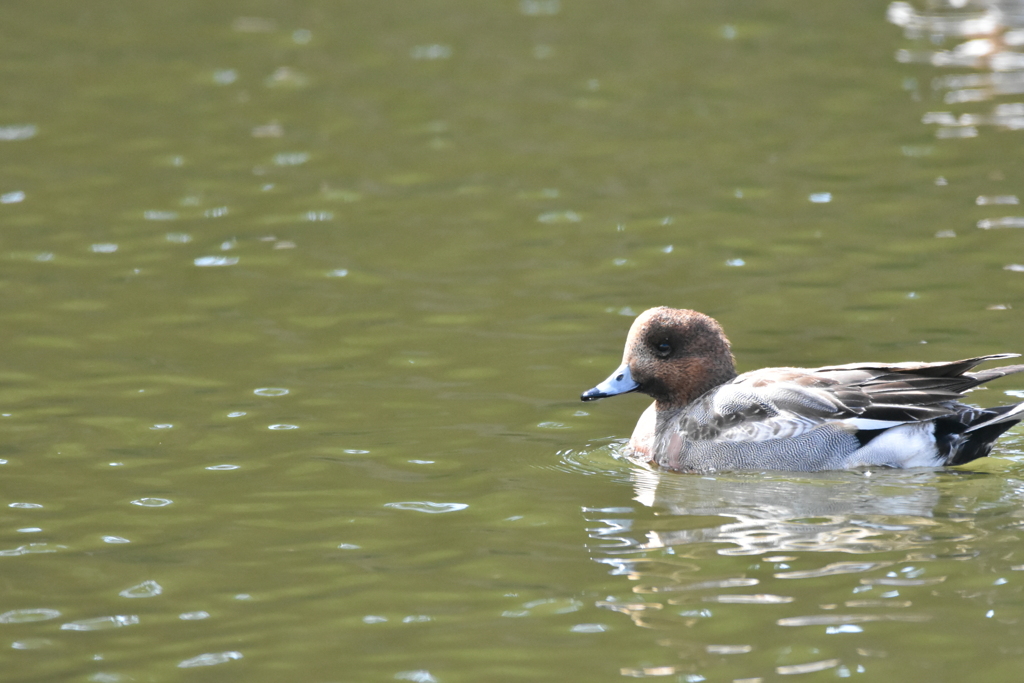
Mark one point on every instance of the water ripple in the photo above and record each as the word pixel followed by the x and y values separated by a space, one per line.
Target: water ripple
pixel 18 132
pixel 210 659
pixel 194 616
pixel 427 506
pixel 100 623
pixel 728 649
pixel 417 676
pixel 887 581
pixel 756 599
pixel 32 548
pixel 270 391
pixel 146 589
pixel 152 502
pixel 593 459
pixel 31 644
pixel 833 569
pixel 837 619
pixel 212 261
pixel 807 668
pixel 699 586
pixel 22 616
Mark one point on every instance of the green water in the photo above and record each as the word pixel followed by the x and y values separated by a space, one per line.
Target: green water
pixel 298 300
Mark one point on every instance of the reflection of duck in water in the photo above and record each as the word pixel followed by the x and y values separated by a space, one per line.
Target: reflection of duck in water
pixel 706 418
pixel 834 512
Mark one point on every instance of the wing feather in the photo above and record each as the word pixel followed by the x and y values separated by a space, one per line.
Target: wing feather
pixel 786 402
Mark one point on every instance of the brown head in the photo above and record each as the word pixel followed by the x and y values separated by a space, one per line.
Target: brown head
pixel 673 355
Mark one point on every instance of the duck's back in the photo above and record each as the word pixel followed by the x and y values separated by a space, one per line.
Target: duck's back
pixel 835 417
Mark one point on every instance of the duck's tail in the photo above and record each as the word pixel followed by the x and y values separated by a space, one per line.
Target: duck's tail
pixel 1010 415
pixel 983 427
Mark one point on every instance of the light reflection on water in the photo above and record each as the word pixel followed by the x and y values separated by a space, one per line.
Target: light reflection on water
pixel 781 515
pixel 921 539
pixel 987 37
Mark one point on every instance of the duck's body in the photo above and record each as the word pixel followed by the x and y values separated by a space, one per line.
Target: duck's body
pixel 706 418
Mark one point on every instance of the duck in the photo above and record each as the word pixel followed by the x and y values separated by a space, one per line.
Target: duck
pixel 707 418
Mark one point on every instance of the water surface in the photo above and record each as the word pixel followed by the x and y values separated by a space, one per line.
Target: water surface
pixel 299 300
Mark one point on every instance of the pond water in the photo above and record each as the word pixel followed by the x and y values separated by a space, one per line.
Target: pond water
pixel 299 298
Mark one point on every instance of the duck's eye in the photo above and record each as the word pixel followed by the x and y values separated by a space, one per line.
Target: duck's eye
pixel 664 349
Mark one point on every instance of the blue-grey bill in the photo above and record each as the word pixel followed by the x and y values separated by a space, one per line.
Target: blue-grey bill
pixel 620 382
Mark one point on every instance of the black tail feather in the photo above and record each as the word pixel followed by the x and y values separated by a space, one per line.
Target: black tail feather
pixel 961 442
pixel 978 443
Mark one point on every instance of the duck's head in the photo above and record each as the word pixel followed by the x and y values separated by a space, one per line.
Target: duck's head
pixel 673 355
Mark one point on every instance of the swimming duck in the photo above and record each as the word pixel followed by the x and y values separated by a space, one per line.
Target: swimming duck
pixel 706 418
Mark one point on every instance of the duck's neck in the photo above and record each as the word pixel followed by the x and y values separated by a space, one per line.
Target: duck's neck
pixel 700 378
